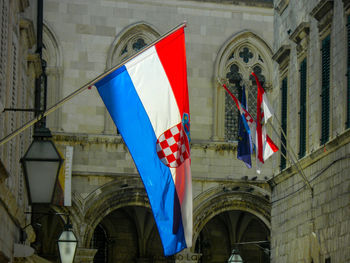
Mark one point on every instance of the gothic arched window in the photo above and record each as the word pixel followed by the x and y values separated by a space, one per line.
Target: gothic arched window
pixel 244 53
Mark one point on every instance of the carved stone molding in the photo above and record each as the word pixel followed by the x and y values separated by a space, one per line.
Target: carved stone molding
pixel 36 61
pixel 281 6
pixel 282 56
pixel 323 12
pixel 27 29
pixel 301 36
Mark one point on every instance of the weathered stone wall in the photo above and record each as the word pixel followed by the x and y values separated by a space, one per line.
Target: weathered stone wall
pixel 17 74
pixel 84 33
pixel 86 30
pixel 308 226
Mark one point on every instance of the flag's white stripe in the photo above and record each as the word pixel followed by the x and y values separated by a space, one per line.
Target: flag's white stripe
pixel 154 90
pixel 268 112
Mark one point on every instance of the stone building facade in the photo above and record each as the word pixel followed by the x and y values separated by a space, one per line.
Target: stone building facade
pixel 311 44
pixel 233 206
pixel 222 39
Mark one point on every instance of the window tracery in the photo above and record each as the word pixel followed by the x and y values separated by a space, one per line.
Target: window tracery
pixel 242 55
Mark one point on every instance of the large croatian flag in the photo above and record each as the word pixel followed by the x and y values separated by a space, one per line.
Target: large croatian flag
pixel 147 99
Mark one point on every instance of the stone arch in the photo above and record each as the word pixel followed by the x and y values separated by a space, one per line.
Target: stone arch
pixel 243 53
pixel 52 54
pixel 127 36
pixel 221 199
pixel 139 34
pixel 110 197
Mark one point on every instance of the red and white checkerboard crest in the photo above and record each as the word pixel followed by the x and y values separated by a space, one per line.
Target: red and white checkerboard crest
pixel 173 147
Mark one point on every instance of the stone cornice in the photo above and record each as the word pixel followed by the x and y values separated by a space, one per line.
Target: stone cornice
pixel 323 13
pixel 27 27
pixel 282 56
pixel 86 139
pixel 301 36
pixel 281 6
pixel 300 32
pixel 331 146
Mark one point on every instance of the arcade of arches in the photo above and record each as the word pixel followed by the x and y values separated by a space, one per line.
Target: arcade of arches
pixel 119 226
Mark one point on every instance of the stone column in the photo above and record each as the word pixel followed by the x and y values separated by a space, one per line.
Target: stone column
pixel 85 255
pixel 186 256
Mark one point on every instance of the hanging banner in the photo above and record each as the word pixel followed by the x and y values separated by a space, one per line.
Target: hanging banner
pixel 68 176
pixel 63 192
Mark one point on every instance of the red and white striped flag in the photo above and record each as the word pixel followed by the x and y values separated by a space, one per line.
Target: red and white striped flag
pixel 265 146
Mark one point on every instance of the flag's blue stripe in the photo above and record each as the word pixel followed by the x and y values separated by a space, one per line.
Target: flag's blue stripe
pixel 128 113
pixel 244 144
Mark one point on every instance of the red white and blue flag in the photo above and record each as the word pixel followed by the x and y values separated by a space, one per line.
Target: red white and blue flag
pixel 147 99
pixel 267 146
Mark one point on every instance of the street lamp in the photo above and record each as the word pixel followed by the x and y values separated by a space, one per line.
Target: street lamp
pixel 41 165
pixel 235 257
pixel 67 244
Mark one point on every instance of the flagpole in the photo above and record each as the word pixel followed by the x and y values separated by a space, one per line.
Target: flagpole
pixel 299 169
pixel 285 136
pixel 297 164
pixel 87 85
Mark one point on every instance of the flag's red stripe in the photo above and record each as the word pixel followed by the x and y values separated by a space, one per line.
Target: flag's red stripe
pixel 172 54
pixel 258 121
pixel 272 144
